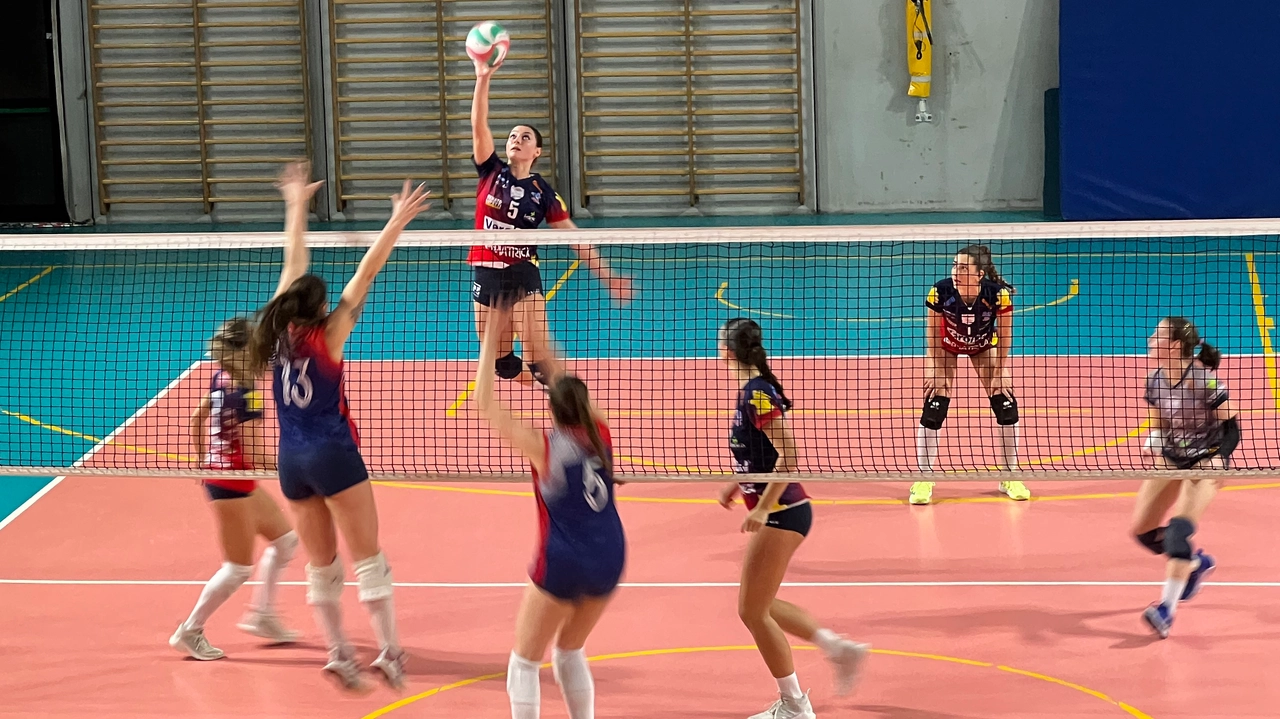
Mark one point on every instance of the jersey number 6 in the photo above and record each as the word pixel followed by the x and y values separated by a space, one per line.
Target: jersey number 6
pixel 594 489
pixel 297 390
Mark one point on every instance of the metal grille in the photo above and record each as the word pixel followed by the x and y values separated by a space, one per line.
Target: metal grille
pixel 196 103
pixel 689 103
pixel 402 85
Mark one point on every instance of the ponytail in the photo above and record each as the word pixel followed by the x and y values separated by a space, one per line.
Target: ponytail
pixel 982 259
pixel 746 340
pixel 1184 331
pixel 302 304
pixel 571 407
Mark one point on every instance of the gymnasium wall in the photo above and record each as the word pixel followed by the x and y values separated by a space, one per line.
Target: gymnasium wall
pixel 984 150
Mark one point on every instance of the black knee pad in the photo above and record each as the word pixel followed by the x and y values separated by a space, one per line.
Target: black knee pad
pixel 509 367
pixel 1177 538
pixel 1005 407
pixel 536 370
pixel 1153 540
pixel 935 412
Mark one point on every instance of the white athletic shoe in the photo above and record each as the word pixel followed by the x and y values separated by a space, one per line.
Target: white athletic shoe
pixel 192 642
pixel 267 626
pixel 391 668
pixel 344 670
pixel 788 708
pixel 847 662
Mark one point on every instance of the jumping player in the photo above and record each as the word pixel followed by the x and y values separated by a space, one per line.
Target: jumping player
pixel 970 313
pixel 779 519
pixel 241 509
pixel 1193 425
pixel 321 471
pixel 511 196
pixel 582 549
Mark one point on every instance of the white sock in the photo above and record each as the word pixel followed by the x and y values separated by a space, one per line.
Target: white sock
pixel 827 640
pixel 275 558
pixel 926 448
pixel 789 686
pixel 373 576
pixel 1172 591
pixel 523 688
pixel 1009 445
pixel 574 677
pixel 324 594
pixel 216 592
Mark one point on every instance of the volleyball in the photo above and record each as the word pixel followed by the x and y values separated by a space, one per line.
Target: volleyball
pixel 488 42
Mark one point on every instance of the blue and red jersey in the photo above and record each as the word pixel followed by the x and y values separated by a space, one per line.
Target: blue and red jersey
pixel 753 452
pixel 506 203
pixel 231 405
pixel 310 393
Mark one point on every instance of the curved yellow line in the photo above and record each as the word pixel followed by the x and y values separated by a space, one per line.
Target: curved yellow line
pixel 1130 710
pixel 1073 291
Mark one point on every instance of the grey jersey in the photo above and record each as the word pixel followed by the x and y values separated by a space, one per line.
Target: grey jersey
pixel 1187 408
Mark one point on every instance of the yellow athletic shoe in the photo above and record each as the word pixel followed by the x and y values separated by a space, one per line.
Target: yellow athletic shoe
pixel 921 493
pixel 1016 490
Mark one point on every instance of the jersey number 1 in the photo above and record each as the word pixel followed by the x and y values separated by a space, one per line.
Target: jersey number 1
pixel 594 489
pixel 297 390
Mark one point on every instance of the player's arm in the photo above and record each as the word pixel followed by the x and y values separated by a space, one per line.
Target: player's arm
pixel 481 134
pixel 297 194
pixel 524 439
pixel 1004 330
pixel 256 445
pixel 405 205
pixel 617 285
pixel 779 433
pixel 932 351
pixel 196 427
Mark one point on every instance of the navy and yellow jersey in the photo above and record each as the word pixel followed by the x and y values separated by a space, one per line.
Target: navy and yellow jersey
pixel 753 451
pixel 969 329
pixel 505 203
pixel 231 405
pixel 1188 409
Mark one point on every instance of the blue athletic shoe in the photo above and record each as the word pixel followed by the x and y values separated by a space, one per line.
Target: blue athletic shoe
pixel 1157 615
pixel 1196 580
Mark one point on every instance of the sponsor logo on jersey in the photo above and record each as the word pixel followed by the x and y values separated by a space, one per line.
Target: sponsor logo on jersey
pixel 531 218
pixel 967 319
pixel 492 224
pixel 536 197
pixel 517 192
pixel 493 202
pixel 513 251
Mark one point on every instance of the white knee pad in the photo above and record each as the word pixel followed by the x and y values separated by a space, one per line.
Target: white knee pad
pixel 324 584
pixel 373 576
pixel 286 545
pixel 571 671
pixel 522 681
pixel 1154 443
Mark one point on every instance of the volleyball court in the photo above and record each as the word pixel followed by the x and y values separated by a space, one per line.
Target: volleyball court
pixel 976 607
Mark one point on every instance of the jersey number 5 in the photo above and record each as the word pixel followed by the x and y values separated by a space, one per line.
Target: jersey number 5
pixel 513 209
pixel 594 489
pixel 297 390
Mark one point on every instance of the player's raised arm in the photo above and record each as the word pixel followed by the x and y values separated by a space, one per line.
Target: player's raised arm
pixel 297 193
pixel 481 134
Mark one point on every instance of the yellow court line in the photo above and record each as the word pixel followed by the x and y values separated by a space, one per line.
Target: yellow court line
pixel 90 438
pixel 1073 291
pixel 463 396
pixel 28 283
pixel 1131 711
pixel 1265 325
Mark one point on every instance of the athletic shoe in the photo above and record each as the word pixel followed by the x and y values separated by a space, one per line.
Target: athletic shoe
pixel 921 493
pixel 1158 616
pixel 1016 490
pixel 788 708
pixel 192 641
pixel 267 626
pixel 392 668
pixel 847 660
pixel 1198 575
pixel 345 671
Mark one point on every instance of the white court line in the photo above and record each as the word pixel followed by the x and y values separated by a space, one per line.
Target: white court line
pixel 100 445
pixel 629 585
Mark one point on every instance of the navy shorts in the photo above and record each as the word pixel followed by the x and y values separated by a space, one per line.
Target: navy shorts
pixel 797 518
pixel 572 577
pixel 322 470
pixel 215 492
pixel 515 282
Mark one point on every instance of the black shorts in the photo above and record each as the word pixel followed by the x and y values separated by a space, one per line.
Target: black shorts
pixel 322 470
pixel 1182 461
pixel 215 492
pixel 516 281
pixel 796 518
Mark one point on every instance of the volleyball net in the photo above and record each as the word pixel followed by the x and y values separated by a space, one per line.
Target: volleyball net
pixel 105 338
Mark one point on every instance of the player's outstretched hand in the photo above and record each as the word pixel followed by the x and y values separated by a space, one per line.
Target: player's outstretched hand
pixel 406 205
pixel 294 183
pixel 727 493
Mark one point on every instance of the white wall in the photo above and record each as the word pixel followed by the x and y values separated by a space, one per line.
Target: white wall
pixel 992 62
